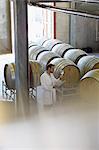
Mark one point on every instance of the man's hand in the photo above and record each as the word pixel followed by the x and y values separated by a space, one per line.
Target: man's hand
pixel 61 76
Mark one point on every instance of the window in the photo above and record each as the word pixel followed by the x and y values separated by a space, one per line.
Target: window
pixel 40 23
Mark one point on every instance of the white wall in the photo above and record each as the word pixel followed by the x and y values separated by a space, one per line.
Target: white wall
pixel 62 24
pixel 83 33
pixel 84 30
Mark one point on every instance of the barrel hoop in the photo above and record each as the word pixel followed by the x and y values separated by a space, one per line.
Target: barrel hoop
pixel 32 45
pixel 88 78
pixel 78 58
pixel 30 50
pixel 5 68
pixel 36 48
pixel 40 53
pixel 61 63
pixel 58 50
pixel 45 41
pixel 52 59
pixel 66 51
pixel 92 64
pixel 55 45
pixel 89 63
pixel 62 67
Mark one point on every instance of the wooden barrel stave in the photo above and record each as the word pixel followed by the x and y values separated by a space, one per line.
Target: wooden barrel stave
pixel 49 44
pixel 89 85
pixel 9 75
pixel 87 63
pixel 75 55
pixel 45 57
pixel 61 48
pixel 35 72
pixel 35 51
pixel 71 72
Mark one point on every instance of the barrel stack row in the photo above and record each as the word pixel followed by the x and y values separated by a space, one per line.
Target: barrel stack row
pixel 39 57
pixel 34 74
pixel 88 65
pixel 44 56
pixel 74 62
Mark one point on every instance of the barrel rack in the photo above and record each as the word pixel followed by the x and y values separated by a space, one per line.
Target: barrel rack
pixel 21 38
pixel 10 94
pixel 63 93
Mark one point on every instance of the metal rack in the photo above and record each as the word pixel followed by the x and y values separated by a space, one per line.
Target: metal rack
pixel 70 11
pixel 10 94
pixel 78 1
pixel 33 93
pixel 67 92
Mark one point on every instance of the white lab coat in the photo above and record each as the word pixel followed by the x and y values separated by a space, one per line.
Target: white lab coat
pixel 46 94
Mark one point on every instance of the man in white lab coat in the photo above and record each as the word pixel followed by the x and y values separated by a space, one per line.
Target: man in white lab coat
pixel 48 84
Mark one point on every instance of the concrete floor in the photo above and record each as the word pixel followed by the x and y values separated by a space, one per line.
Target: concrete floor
pixel 71 124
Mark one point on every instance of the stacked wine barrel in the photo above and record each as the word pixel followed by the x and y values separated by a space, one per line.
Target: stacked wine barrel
pixel 34 71
pixel 89 85
pixel 50 43
pixel 61 48
pixel 35 50
pixel 64 50
pixel 45 56
pixel 89 71
pixel 87 64
pixel 75 55
pixel 71 72
pixel 9 75
pixel 77 65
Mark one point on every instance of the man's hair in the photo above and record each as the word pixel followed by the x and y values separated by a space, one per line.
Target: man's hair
pixel 49 66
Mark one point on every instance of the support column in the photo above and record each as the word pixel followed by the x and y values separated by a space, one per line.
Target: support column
pixel 21 55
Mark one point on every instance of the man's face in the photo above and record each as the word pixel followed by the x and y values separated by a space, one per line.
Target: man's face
pixel 52 69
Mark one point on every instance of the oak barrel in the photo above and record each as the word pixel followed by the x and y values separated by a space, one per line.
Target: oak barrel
pixel 44 58
pixel 9 75
pixel 34 51
pixel 89 85
pixel 50 43
pixel 71 76
pixel 35 72
pixel 88 63
pixel 75 55
pixel 61 48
